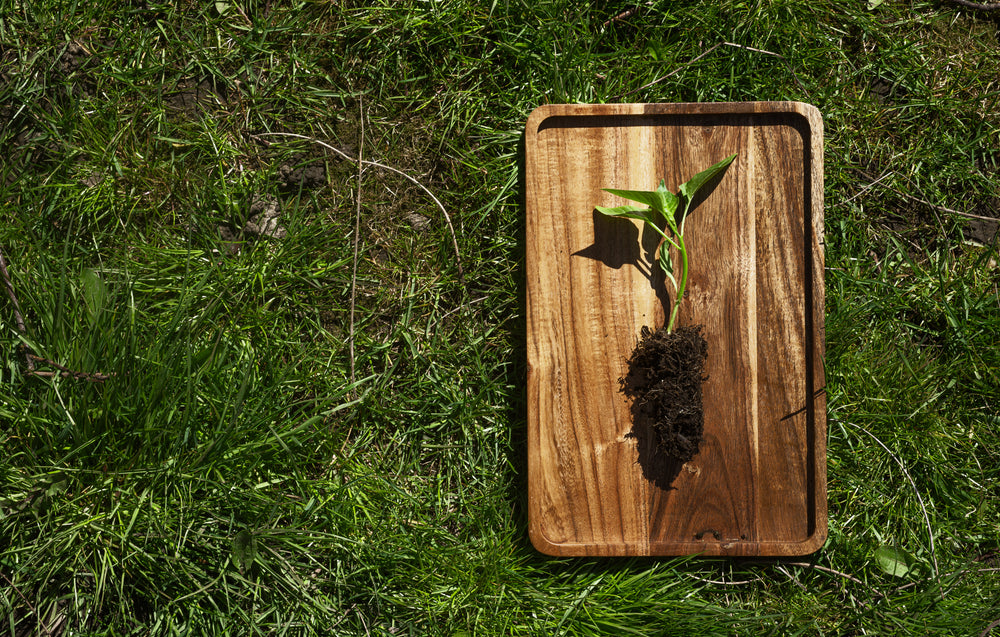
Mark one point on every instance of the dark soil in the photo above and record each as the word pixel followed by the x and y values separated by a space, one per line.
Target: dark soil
pixel 197 96
pixel 664 378
pixel 75 66
pixel 305 171
pixel 985 230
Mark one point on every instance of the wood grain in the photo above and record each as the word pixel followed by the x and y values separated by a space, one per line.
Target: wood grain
pixel 758 485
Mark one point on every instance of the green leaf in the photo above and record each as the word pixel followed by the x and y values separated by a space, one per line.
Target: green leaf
pixel 649 197
pixel 668 200
pixel 893 561
pixel 660 200
pixel 244 550
pixel 691 187
pixel 632 212
pixel 667 263
pixel 95 294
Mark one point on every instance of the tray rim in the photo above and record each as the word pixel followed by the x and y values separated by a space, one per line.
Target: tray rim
pixel 815 219
pixel 545 111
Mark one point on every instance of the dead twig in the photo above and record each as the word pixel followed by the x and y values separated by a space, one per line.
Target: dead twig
pixel 357 239
pixel 794 579
pixel 827 569
pixel 702 55
pixel 41 623
pixel 863 190
pixel 777 55
pixel 754 49
pixel 918 200
pixel 18 317
pixel 453 310
pixel 960 574
pixel 976 6
pixel 444 212
pixel 877 595
pixel 721 582
pixel 65 372
pixel 621 16
pixel 993 624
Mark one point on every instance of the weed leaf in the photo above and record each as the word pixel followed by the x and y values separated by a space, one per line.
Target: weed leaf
pixel 693 185
pixel 668 200
pixel 893 561
pixel 244 550
pixel 95 294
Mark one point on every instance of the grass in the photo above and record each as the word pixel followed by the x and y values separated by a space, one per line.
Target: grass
pixel 228 477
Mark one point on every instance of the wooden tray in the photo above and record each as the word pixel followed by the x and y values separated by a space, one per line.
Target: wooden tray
pixel 758 484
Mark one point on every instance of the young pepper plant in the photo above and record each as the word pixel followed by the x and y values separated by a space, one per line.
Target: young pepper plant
pixel 662 205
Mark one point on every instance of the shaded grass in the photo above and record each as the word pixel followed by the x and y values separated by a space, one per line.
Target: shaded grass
pixel 228 479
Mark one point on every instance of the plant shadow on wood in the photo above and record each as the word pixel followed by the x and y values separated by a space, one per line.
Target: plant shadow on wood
pixel 657 467
pixel 664 379
pixel 619 244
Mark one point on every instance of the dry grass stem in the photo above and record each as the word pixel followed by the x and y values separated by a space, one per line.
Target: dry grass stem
pixel 670 74
pixel 444 212
pixel 978 6
pixel 27 602
pixel 918 200
pixel 357 240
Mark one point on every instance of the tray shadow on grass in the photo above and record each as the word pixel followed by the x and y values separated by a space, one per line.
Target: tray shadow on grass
pixel 616 245
pixel 517 373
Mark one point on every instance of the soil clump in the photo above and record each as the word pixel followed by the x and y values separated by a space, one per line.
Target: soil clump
pixel 304 171
pixel 664 379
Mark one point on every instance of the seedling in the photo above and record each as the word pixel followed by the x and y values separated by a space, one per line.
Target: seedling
pixel 663 205
pixel 666 369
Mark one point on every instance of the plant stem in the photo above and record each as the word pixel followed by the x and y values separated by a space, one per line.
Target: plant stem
pixel 681 284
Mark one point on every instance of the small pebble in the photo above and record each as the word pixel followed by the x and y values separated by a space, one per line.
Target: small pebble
pixel 418 222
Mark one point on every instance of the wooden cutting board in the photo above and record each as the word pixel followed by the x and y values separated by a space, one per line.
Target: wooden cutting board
pixel 758 484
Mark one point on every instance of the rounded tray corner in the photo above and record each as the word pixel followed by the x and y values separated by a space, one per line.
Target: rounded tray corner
pixel 537 116
pixel 542 543
pixel 811 544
